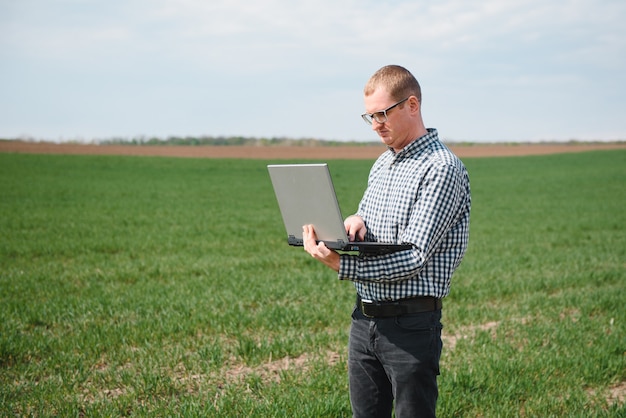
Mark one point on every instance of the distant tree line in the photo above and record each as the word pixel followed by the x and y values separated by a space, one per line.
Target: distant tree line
pixel 206 140
pixel 228 141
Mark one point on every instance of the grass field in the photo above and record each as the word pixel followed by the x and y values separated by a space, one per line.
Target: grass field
pixel 147 286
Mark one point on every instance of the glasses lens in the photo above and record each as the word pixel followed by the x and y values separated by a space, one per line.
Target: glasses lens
pixel 381 117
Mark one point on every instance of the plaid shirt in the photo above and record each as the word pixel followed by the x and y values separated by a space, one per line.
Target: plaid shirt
pixel 421 196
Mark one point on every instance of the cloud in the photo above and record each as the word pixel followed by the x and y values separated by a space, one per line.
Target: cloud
pixel 265 67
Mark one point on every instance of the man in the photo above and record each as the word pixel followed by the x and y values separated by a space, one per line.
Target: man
pixel 418 193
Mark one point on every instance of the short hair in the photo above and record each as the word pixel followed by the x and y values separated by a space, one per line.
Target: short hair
pixel 398 81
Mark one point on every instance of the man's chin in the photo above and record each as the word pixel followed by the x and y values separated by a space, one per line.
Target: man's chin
pixel 387 140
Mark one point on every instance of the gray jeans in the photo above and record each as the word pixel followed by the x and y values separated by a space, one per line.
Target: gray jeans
pixel 394 358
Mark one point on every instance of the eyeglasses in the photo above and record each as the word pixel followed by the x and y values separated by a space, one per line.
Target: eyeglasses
pixel 380 116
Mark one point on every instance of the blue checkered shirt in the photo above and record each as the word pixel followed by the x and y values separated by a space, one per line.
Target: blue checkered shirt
pixel 420 196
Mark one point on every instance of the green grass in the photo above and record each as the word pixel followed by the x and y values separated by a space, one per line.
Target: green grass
pixel 164 287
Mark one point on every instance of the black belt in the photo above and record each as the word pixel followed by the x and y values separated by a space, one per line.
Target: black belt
pixel 399 307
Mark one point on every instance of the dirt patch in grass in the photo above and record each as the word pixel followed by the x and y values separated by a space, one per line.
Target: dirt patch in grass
pixel 617 394
pixel 614 395
pixel 469 332
pixel 271 371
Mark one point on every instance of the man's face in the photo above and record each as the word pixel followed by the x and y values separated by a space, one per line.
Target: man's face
pixel 392 132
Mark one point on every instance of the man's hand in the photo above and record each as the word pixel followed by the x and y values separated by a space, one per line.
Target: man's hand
pixel 319 251
pixel 355 228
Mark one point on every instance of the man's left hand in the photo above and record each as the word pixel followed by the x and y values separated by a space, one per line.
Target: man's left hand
pixel 319 250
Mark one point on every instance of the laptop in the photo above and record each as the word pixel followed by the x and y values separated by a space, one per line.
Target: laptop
pixel 306 195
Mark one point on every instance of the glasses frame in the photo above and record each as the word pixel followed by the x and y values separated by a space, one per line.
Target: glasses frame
pixel 381 115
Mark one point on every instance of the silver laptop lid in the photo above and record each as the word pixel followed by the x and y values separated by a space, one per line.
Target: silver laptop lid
pixel 306 195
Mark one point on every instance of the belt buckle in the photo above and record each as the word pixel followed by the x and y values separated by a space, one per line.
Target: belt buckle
pixel 362 303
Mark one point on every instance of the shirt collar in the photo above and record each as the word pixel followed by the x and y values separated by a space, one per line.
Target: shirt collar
pixel 417 146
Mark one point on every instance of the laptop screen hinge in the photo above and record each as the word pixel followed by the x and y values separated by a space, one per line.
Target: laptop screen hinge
pixel 292 240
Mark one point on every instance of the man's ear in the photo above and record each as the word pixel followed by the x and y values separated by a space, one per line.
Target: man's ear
pixel 414 104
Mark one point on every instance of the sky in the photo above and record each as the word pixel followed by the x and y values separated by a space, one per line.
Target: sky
pixel 490 70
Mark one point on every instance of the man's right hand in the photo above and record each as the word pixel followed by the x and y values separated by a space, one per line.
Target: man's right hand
pixel 355 228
